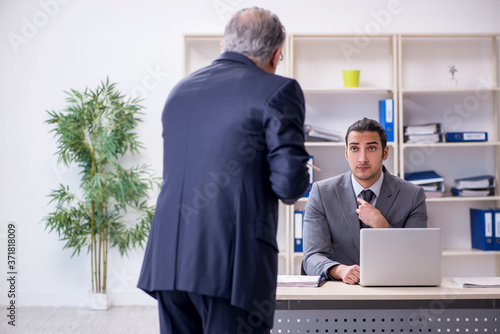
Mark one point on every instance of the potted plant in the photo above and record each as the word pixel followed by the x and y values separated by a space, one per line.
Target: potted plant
pixel 96 131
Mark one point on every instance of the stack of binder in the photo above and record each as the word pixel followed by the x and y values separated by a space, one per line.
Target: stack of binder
pixel 315 134
pixel 423 133
pixel 485 229
pixel 478 282
pixel 432 182
pixel 483 185
pixel 468 136
pixel 298 225
pixel 301 281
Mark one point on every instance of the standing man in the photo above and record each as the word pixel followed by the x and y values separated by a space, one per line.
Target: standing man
pixel 233 145
pixel 336 211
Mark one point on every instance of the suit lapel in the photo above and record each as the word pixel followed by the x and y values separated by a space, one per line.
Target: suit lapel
pixel 388 193
pixel 347 200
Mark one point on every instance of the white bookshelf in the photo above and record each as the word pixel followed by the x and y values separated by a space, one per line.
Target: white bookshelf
pixel 411 70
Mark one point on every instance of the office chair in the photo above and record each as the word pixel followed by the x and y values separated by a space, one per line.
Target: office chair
pixel 302 270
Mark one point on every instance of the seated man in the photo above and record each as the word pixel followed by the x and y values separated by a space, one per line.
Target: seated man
pixel 335 211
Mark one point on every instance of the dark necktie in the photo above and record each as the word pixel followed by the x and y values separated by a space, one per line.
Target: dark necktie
pixel 367 195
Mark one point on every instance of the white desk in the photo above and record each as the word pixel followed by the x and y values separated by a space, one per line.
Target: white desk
pixel 341 308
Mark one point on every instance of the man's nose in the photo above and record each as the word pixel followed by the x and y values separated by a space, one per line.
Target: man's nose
pixel 362 156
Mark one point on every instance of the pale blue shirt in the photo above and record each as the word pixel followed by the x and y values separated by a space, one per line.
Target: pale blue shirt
pixel 375 188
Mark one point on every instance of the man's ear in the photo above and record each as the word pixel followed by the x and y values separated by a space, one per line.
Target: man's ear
pixel 275 59
pixel 386 153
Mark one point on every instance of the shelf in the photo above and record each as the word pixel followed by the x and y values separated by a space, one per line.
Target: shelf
pixel 453 144
pixel 446 252
pixel 468 252
pixel 447 90
pixel 335 144
pixel 342 90
pixel 443 199
pixel 317 62
pixel 423 61
pixel 462 199
pixel 449 35
pixel 325 144
pixel 202 36
pixel 336 36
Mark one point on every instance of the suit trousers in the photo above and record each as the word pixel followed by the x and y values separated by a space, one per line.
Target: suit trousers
pixel 186 312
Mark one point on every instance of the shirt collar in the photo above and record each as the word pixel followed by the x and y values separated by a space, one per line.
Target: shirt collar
pixel 375 187
pixel 236 57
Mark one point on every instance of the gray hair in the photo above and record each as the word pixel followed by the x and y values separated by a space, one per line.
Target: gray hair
pixel 254 32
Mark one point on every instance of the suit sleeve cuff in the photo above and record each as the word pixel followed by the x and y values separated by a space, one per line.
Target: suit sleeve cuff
pixel 327 270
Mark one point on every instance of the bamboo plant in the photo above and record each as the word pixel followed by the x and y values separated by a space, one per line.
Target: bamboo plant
pixel 96 131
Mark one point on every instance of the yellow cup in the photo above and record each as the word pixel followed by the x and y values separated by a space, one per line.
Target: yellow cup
pixel 351 78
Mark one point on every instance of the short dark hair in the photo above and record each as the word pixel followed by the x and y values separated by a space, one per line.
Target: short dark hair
pixel 370 125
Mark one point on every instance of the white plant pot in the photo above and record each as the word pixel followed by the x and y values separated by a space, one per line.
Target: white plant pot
pixel 99 301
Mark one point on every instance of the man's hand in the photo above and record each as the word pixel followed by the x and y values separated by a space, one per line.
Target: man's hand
pixel 348 274
pixel 370 215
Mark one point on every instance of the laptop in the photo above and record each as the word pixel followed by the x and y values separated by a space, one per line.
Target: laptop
pixel 400 257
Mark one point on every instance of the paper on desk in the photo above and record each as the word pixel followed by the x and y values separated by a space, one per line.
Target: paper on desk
pixel 478 282
pixel 298 280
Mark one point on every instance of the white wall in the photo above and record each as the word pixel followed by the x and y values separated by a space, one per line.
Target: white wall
pixel 49 46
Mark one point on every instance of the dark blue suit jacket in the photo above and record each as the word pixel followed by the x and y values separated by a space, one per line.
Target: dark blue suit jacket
pixel 233 145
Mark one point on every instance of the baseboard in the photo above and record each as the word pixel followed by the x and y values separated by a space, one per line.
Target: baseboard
pixel 79 299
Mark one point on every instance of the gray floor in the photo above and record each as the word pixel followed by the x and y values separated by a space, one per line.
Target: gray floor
pixel 67 320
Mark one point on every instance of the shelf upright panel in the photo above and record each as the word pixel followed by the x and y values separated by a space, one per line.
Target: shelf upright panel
pixel 496 107
pixel 395 97
pixel 400 106
pixel 288 56
pixel 288 226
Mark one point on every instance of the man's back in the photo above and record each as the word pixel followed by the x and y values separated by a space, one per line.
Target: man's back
pixel 233 145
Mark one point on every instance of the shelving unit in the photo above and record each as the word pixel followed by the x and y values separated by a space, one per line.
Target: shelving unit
pixel 411 70
pixel 424 97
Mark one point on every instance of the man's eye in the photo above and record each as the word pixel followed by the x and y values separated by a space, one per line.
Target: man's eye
pixel 354 149
pixel 372 148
